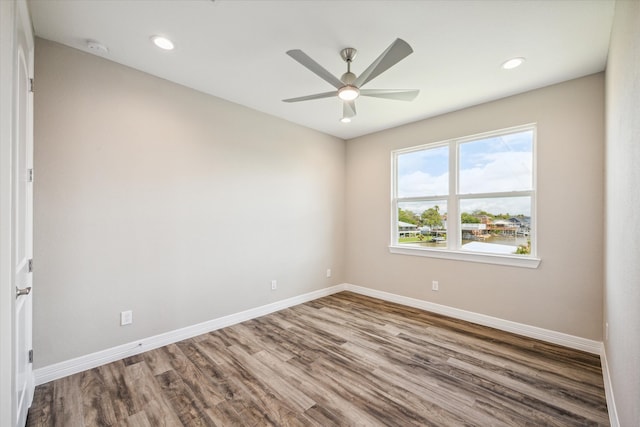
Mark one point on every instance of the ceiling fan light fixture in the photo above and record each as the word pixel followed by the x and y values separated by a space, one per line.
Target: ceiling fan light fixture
pixel 513 63
pixel 348 93
pixel 345 120
pixel 162 42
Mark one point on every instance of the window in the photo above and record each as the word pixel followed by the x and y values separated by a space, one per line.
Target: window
pixel 470 198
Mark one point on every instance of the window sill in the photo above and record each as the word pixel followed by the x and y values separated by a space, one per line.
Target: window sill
pixel 512 261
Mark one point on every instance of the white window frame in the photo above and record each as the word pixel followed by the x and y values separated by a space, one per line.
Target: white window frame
pixel 453 250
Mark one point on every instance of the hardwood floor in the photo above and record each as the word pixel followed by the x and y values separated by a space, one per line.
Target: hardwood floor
pixel 341 360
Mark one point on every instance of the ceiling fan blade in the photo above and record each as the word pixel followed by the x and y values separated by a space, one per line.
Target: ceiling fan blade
pixel 348 109
pixel 396 52
pixel 314 67
pixel 309 97
pixel 398 94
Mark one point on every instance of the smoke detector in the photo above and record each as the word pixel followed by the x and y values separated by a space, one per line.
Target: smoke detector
pixel 97 47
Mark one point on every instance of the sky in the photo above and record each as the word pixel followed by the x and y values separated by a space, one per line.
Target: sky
pixel 495 164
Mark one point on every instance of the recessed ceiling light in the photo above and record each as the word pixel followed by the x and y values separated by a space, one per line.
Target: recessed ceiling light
pixel 162 42
pixel 512 63
pixel 346 120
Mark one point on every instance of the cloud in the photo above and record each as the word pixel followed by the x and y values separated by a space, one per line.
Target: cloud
pixel 488 173
pixel 418 183
pixel 497 172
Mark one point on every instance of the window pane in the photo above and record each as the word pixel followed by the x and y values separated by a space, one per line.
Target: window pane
pixel 423 223
pixel 496 164
pixel 497 225
pixel 424 173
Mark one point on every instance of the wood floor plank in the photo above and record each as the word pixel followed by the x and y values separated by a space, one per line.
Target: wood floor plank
pixel 148 396
pixel 98 409
pixel 157 361
pixel 263 334
pixel 188 409
pixel 200 385
pixel 138 420
pixel 41 410
pixel 318 387
pixel 345 359
pixel 281 388
pixel 160 413
pixel 68 402
pixel 117 393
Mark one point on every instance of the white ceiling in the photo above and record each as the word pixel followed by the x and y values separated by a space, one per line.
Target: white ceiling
pixel 235 49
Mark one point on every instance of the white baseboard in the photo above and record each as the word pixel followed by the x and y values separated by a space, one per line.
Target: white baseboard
pixel 608 389
pixel 547 335
pixel 90 361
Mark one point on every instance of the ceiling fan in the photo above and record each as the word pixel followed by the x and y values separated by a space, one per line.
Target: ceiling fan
pixel 349 87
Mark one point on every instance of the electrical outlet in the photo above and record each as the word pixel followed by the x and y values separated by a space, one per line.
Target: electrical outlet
pixel 274 285
pixel 328 272
pixel 434 285
pixel 126 317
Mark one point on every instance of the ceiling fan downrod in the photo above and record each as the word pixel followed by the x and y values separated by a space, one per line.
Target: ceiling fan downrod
pixel 348 54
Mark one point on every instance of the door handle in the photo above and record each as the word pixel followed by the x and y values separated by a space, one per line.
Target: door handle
pixel 23 291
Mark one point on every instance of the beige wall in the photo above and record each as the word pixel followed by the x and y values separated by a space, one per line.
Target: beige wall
pixel 564 293
pixel 177 205
pixel 622 283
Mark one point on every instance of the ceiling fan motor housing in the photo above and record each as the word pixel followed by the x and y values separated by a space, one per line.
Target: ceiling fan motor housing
pixel 348 78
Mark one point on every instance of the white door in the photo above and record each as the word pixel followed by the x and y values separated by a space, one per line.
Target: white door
pixel 22 203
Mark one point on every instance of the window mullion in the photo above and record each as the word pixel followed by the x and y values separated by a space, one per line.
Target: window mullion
pixel 394 221
pixel 394 199
pixel 495 194
pixel 422 199
pixel 453 241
